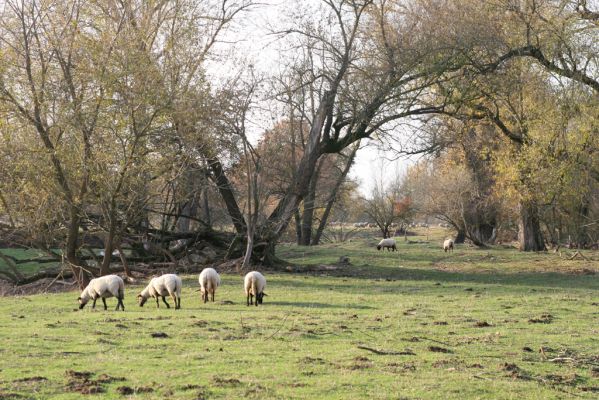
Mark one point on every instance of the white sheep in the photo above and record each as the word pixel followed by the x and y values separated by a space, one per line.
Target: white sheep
pixel 162 286
pixel 448 245
pixel 253 285
pixel 104 286
pixel 209 280
pixel 388 244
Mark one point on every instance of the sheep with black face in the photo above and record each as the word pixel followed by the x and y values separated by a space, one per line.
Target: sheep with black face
pixel 253 285
pixel 103 287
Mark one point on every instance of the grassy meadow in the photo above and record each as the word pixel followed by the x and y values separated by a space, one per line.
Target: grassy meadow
pixel 415 324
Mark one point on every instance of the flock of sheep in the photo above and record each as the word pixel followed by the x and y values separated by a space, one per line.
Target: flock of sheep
pixel 168 285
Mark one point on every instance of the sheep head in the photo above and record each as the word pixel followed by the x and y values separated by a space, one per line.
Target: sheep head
pixel 141 300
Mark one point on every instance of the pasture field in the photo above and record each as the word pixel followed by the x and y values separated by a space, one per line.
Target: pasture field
pixel 417 324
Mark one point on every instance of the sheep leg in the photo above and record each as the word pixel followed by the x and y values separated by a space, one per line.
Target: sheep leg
pixel 179 302
pixel 120 303
pixel 213 295
pixel 157 302
pixel 249 301
pixel 205 296
pixel 164 301
pixel 94 304
pixel 175 300
pixel 105 306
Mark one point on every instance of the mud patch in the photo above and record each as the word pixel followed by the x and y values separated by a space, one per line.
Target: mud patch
pixel 542 319
pixel 312 360
pixel 200 323
pixel 158 335
pixel 226 381
pixel 437 349
pixel 31 379
pixel 127 390
pixel 81 382
pixel 482 324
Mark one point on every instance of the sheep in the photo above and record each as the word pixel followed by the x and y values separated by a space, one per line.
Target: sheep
pixel 448 245
pixel 254 284
pixel 388 243
pixel 104 286
pixel 167 284
pixel 209 281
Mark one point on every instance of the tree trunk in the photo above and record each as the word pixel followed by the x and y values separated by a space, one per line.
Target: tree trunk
pixel 308 214
pixel 226 191
pixel 298 226
pixel 333 195
pixel 530 237
pixel 460 237
pixel 81 276
pixel 206 207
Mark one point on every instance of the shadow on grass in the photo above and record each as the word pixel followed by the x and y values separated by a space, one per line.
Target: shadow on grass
pixel 318 305
pixel 519 280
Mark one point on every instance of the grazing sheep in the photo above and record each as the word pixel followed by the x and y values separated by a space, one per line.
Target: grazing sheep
pixel 104 286
pixel 254 284
pixel 162 286
pixel 448 245
pixel 388 244
pixel 209 281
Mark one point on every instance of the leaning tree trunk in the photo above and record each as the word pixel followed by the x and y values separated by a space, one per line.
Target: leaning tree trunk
pixel 308 214
pixel 333 195
pixel 298 226
pixel 530 237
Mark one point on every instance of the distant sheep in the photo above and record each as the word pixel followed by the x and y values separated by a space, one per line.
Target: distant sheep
pixel 448 245
pixel 209 281
pixel 104 286
pixel 162 286
pixel 388 244
pixel 253 285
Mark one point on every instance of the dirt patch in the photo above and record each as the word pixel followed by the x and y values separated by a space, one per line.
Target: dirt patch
pixel 440 323
pixel 78 375
pixel 515 372
pixel 437 349
pixel 226 381
pixel 200 323
pixel 104 378
pixel 312 360
pixel 482 324
pixel 192 386
pixel 225 303
pixel 81 382
pixel 542 319
pixel 158 335
pixel 125 390
pixel 31 379
pixel 527 349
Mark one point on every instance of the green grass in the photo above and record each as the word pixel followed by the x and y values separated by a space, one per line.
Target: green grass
pixel 304 341
pixel 28 268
